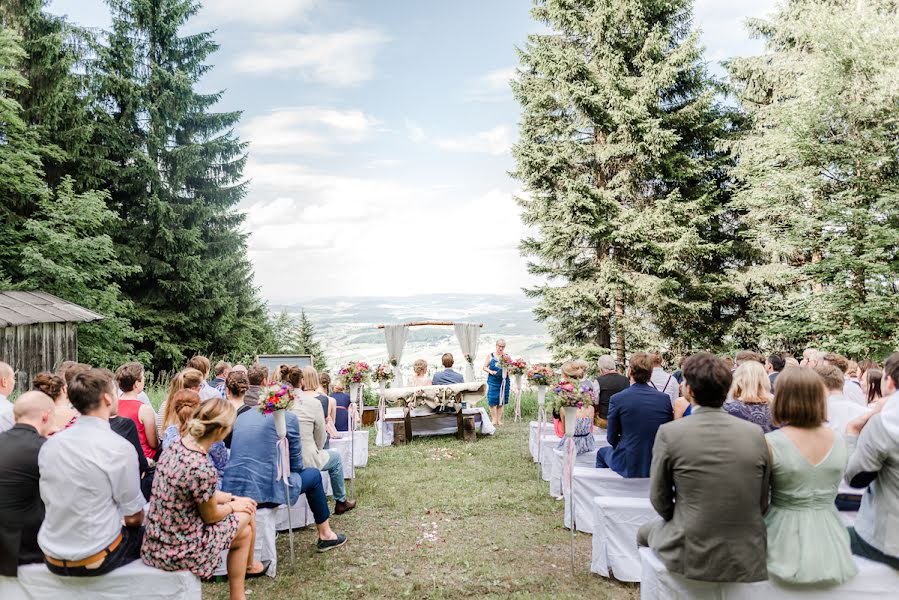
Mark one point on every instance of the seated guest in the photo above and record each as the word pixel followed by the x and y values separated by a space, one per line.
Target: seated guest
pixel 635 414
pixel 253 471
pixel 750 395
pixel 90 486
pixel 188 379
pixel 130 379
pixel 190 523
pixel 871 386
pixel 308 409
pixel 55 386
pixel 324 384
pixel 447 376
pixel 420 378
pixel 257 375
pixel 221 371
pixel 609 382
pixel 851 390
pixel 774 365
pixel 236 385
pixel 201 364
pixel 840 409
pixel 583 431
pixel 573 371
pixel 21 509
pixel 663 381
pixel 807 541
pixel 709 485
pixel 873 441
pixel 342 401
pixel 7 385
pixel 184 404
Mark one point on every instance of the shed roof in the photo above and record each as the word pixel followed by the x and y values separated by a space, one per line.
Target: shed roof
pixel 27 308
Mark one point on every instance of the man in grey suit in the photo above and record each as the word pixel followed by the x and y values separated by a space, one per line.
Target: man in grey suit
pixel 710 485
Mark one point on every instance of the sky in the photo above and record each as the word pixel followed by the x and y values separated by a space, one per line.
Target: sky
pixel 380 135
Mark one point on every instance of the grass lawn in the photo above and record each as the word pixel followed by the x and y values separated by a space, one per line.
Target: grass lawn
pixel 443 519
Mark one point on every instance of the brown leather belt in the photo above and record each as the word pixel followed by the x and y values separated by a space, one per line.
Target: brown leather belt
pixel 99 556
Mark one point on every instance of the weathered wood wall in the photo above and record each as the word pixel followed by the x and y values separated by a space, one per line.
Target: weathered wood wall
pixel 30 349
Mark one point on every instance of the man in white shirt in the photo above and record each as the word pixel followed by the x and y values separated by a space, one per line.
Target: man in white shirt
pixel 7 385
pixel 851 390
pixel 90 483
pixel 663 381
pixel 840 409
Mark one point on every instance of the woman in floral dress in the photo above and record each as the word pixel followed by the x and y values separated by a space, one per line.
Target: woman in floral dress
pixel 190 523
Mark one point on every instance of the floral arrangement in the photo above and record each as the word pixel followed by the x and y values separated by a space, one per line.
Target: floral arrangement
pixel 382 372
pixel 416 398
pixel 469 359
pixel 440 399
pixel 517 366
pixel 355 372
pixel 505 362
pixel 570 394
pixel 275 397
pixel 393 361
pixel 541 375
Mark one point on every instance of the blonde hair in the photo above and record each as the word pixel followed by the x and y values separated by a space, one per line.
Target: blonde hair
pixel 186 379
pixel 751 383
pixel 574 369
pixel 420 367
pixel 310 379
pixel 212 418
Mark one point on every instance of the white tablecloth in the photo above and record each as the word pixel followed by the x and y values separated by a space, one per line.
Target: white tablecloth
pixel 134 580
pixel 590 482
pixel 550 462
pixel 343 446
pixel 616 521
pixel 874 581
pixel 299 514
pixel 558 469
pixel 532 436
pixel 442 426
pixel 265 544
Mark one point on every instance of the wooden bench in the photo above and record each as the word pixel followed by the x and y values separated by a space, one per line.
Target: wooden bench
pixel 466 427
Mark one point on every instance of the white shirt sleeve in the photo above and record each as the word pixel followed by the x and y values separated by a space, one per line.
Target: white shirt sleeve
pixel 124 477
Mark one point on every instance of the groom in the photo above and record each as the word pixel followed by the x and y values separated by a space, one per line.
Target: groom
pixel 447 376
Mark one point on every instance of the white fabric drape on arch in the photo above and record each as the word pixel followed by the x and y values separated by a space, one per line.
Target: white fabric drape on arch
pixel 396 341
pixel 468 334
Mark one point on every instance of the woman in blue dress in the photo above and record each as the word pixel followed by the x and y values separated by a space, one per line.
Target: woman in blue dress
pixel 495 383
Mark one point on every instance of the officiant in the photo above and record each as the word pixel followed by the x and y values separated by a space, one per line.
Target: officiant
pixel 495 377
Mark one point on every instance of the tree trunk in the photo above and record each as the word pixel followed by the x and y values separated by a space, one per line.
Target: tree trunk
pixel 619 331
pixel 604 333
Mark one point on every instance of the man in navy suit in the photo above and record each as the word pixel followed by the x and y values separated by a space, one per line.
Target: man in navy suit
pixel 635 415
pixel 447 376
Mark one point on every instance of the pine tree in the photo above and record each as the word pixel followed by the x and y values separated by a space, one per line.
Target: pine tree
pixel 21 184
pixel 174 170
pixel 626 188
pixel 70 254
pixel 303 342
pixel 819 177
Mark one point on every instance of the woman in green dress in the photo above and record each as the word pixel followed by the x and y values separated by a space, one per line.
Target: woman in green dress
pixel 807 541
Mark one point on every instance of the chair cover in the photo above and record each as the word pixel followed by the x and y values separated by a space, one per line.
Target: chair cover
pixel 616 521
pixel 300 515
pixel 133 580
pixel 590 482
pixel 874 580
pixel 265 544
pixel 550 461
pixel 344 446
pixel 555 482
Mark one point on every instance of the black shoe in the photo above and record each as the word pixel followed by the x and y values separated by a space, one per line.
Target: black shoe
pixel 265 566
pixel 325 545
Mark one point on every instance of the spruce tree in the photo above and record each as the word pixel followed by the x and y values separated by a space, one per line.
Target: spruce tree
pixel 174 169
pixel 303 342
pixel 819 175
pixel 70 254
pixel 626 189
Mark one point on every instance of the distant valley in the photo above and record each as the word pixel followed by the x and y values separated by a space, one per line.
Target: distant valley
pixel 346 326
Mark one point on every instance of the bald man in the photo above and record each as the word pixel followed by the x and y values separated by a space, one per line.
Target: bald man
pixel 21 508
pixel 7 385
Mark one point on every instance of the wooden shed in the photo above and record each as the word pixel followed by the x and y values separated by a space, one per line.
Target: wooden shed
pixel 37 332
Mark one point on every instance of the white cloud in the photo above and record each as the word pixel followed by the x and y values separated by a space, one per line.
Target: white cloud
pixel 307 130
pixel 494 141
pixel 492 86
pixel 415 132
pixel 386 163
pixel 723 26
pixel 345 227
pixel 341 59
pixel 259 12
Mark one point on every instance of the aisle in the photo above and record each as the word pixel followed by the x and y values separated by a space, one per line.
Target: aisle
pixel 443 519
